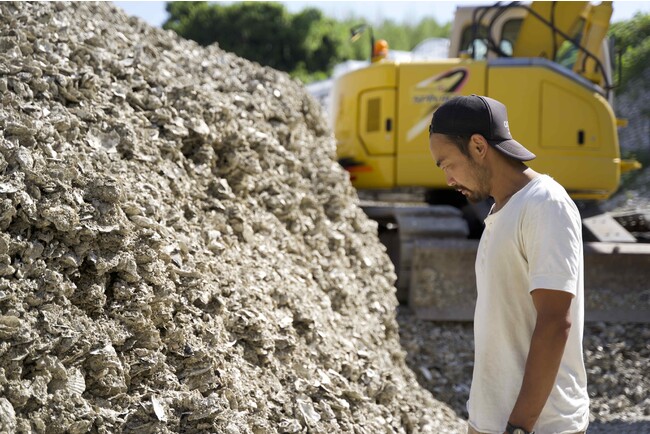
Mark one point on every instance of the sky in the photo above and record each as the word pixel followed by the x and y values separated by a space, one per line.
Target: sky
pixel 153 12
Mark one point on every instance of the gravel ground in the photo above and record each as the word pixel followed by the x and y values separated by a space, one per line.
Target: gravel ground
pixel 617 358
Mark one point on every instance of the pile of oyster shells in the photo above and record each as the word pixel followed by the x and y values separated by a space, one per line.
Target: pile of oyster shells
pixel 179 251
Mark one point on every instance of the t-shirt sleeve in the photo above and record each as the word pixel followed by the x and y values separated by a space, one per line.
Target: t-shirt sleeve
pixel 552 240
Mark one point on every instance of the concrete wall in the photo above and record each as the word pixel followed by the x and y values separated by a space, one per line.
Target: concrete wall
pixel 617 281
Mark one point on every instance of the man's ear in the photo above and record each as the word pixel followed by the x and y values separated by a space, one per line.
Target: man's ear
pixel 478 146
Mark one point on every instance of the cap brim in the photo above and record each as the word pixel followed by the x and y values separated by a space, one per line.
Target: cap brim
pixel 513 148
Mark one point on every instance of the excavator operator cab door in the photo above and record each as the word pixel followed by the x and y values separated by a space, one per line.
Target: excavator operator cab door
pixel 376 121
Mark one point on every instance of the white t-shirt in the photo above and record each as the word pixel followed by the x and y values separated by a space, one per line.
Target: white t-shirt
pixel 534 241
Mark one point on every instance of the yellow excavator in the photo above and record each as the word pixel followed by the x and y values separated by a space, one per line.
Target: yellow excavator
pixel 550 63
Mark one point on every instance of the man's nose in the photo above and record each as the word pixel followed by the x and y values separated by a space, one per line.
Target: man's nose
pixel 450 180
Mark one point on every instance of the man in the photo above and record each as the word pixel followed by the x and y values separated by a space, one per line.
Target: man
pixel 529 373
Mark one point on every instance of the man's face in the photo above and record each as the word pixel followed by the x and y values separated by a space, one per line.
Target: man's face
pixel 463 173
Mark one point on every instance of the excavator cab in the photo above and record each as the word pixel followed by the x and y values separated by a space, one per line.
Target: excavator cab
pixel 572 34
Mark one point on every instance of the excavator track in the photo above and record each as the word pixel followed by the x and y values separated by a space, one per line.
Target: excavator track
pixel 636 223
pixel 402 225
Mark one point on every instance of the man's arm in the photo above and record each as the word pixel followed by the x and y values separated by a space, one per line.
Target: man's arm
pixel 544 357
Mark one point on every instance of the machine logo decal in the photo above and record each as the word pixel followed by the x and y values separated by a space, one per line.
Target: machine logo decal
pixel 435 91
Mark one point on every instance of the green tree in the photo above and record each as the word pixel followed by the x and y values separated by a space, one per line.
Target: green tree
pixel 263 32
pixel 193 20
pixel 397 35
pixel 632 39
pixel 317 39
pixel 258 31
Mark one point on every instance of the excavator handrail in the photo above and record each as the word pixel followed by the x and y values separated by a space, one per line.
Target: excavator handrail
pixel 491 45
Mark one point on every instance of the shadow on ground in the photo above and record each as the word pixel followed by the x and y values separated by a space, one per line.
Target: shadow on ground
pixel 616 427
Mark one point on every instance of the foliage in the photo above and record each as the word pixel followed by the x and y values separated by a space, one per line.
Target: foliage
pixel 263 32
pixel 306 44
pixel 632 40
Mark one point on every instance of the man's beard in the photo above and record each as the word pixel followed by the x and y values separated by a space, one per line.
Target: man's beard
pixel 483 177
pixel 477 196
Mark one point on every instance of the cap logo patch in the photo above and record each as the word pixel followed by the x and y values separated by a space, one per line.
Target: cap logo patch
pixel 505 124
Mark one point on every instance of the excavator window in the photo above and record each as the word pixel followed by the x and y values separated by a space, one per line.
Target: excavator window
pixel 567 54
pixel 509 33
pixel 478 47
pixel 374 115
